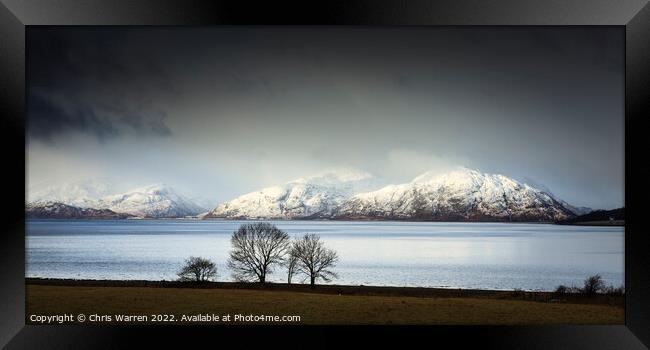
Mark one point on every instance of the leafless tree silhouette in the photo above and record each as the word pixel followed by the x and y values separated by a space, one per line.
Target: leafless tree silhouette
pixel 292 262
pixel 197 269
pixel 255 249
pixel 593 284
pixel 314 259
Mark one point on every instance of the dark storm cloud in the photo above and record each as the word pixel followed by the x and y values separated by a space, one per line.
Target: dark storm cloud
pixel 243 107
pixel 87 81
pixel 47 119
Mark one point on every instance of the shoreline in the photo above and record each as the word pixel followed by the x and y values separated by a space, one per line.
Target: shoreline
pixel 616 223
pixel 350 290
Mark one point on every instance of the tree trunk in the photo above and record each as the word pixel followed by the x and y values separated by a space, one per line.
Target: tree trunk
pixel 262 279
pixel 313 282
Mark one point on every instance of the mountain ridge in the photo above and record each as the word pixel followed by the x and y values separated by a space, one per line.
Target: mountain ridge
pixel 460 195
pixel 307 197
pixel 57 210
pixel 152 201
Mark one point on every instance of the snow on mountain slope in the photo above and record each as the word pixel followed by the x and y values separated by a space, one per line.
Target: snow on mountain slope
pixel 460 195
pixel 82 194
pixel 463 195
pixel 156 201
pixel 302 198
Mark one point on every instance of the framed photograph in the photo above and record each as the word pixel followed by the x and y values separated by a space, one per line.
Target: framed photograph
pixel 442 170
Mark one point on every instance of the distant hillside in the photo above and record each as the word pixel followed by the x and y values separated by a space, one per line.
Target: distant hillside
pixel 57 210
pixel 598 217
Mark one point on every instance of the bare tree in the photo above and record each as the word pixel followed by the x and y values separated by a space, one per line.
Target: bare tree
pixel 292 262
pixel 197 269
pixel 314 259
pixel 255 249
pixel 593 284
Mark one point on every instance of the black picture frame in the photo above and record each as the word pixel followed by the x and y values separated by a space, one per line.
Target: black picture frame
pixel 16 16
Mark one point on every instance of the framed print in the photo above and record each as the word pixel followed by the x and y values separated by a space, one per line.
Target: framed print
pixel 454 170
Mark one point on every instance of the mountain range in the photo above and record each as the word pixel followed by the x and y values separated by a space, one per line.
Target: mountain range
pixel 459 195
pixel 311 197
pixel 88 199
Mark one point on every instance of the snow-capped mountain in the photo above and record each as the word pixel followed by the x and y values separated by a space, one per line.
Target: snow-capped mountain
pixel 155 201
pixel 460 195
pixel 308 197
pixel 82 194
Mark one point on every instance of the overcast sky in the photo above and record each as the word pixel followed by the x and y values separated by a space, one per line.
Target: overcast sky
pixel 217 112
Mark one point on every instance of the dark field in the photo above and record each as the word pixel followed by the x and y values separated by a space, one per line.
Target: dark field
pixel 329 304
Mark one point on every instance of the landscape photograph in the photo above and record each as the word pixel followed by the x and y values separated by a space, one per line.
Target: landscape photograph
pixel 314 175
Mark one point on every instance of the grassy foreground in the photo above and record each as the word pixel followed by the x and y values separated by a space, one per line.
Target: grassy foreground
pixel 312 307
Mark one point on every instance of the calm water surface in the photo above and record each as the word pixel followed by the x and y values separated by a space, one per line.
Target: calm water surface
pixel 454 255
